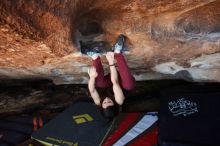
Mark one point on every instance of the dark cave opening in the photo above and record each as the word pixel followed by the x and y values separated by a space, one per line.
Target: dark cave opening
pixel 88 41
pixel 90 28
pixel 89 35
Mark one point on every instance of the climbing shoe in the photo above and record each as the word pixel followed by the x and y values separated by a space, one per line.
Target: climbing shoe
pixel 91 48
pixel 93 51
pixel 90 53
pixel 119 44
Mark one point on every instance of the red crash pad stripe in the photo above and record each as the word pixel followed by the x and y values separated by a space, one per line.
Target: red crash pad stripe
pixel 123 127
pixel 148 138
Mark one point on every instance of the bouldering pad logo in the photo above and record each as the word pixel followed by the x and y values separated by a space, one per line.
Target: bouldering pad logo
pixel 182 107
pixel 80 119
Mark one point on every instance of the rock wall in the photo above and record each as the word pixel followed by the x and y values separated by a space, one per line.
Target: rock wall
pixel 165 38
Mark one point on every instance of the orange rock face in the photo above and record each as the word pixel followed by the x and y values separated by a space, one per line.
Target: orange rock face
pixel 165 38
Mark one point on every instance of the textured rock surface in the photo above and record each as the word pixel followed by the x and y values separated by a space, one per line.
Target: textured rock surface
pixel 27 96
pixel 165 38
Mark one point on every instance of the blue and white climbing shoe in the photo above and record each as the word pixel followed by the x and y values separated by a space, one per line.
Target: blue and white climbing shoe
pixel 93 51
pixel 119 44
pixel 91 54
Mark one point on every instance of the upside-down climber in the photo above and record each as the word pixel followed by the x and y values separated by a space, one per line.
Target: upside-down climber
pixel 108 91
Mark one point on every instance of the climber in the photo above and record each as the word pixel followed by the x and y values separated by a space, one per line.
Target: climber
pixel 108 91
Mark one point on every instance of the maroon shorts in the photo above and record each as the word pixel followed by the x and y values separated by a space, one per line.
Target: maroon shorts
pixel 126 79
